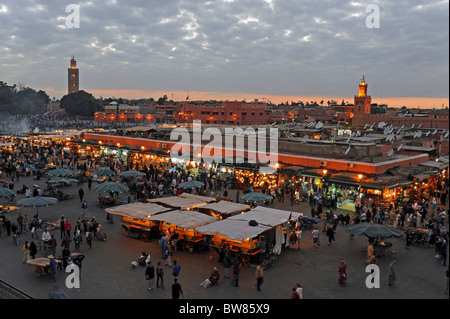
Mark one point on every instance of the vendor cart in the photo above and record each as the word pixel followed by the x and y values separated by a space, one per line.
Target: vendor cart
pixel 247 251
pixel 188 239
pixel 41 265
pixel 140 228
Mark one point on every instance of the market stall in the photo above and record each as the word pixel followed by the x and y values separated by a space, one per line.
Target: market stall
pixel 184 223
pixel 223 209
pixel 243 239
pixel 177 202
pixel 205 199
pixel 135 222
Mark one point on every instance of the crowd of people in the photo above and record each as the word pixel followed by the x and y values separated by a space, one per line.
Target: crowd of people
pixel 32 159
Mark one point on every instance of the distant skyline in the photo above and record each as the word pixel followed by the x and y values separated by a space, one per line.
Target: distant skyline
pixel 282 50
pixel 177 96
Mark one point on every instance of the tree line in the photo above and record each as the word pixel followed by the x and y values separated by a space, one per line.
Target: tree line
pixel 19 99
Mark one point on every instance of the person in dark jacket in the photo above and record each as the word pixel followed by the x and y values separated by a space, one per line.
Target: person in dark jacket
pixel 33 250
pixel 150 275
pixel 176 289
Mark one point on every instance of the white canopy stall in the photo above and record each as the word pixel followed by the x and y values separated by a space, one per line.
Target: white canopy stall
pixel 135 219
pixel 177 202
pixel 223 209
pixel 184 223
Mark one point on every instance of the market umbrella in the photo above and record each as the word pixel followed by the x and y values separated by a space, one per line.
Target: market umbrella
pixel 106 172
pixel 256 197
pixel 61 172
pixel 64 180
pixel 190 184
pixel 374 230
pixel 37 201
pixel 5 192
pixel 111 187
pixel 129 174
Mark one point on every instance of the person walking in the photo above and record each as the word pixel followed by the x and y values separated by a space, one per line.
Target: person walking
pixel 159 276
pixel 62 229
pixel 315 237
pixel 392 273
pixel 299 290
pixel 52 267
pixel 33 250
pixel 259 273
pixel 81 194
pixel 227 264
pixel 26 223
pixel 342 269
pixel 176 269
pixel 150 275
pixel 176 289
pixel 26 252
pixel 330 235
pixel 163 245
pixel 236 270
pixel 299 233
pixel 67 227
pixel 84 206
pixel 169 252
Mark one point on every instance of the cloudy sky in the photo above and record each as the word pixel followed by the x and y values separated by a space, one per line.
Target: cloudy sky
pixel 229 48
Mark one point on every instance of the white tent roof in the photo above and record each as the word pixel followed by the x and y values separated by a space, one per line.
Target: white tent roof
pixel 178 202
pixel 184 219
pixel 137 210
pixel 267 216
pixel 237 230
pixel 226 207
pixel 197 197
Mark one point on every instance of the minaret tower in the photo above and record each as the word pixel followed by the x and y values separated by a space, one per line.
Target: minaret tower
pixel 362 100
pixel 73 76
pixel 362 104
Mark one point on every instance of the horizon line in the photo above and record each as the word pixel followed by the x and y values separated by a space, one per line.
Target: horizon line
pixel 189 95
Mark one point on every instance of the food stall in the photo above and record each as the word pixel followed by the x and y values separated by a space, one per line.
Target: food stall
pixel 223 209
pixel 274 218
pixel 184 223
pixel 135 222
pixel 178 202
pixel 205 199
pixel 243 240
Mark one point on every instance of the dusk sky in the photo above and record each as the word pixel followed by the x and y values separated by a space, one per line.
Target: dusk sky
pixel 231 49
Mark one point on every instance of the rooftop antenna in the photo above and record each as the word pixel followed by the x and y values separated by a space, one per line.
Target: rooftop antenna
pixel 305 139
pixel 348 150
pixel 390 153
pixel 319 125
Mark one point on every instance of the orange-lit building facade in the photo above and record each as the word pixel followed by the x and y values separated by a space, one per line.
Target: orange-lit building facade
pixel 229 113
pixel 115 113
